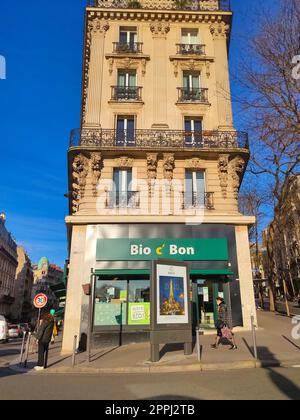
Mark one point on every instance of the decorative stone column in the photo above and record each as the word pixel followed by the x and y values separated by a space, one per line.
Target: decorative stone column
pixel 94 73
pixel 159 32
pixel 219 31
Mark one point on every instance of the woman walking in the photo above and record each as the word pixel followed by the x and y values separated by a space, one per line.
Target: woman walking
pixel 224 325
pixel 44 335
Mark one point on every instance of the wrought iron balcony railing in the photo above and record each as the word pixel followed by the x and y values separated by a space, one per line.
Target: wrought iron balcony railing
pixel 123 200
pixel 128 47
pixel 126 94
pixel 188 5
pixel 191 49
pixel 193 95
pixel 158 139
pixel 198 201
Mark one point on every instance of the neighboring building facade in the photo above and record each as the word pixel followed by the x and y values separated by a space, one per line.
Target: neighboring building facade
pixel 282 241
pixel 22 307
pixel 157 164
pixel 46 277
pixel 8 267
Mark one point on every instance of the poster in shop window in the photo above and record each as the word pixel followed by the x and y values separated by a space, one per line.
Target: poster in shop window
pixel 172 295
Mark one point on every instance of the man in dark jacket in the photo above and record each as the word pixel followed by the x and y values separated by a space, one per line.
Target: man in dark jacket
pixel 44 335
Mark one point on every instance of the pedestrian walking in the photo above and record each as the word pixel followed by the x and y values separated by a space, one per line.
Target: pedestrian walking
pixel 43 336
pixel 224 325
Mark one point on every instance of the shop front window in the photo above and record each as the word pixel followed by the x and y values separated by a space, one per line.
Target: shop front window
pixel 122 302
pixel 110 303
pixel 139 302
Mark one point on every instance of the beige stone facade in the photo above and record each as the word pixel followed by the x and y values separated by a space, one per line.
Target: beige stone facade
pixel 22 307
pixel 8 266
pixel 156 106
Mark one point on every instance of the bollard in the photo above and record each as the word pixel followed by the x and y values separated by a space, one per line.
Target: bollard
pixel 27 350
pixel 199 332
pixel 22 348
pixel 74 351
pixel 254 337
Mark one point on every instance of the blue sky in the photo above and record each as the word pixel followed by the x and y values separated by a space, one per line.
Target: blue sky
pixel 40 104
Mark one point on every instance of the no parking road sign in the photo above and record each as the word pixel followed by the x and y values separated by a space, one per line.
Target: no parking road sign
pixel 40 301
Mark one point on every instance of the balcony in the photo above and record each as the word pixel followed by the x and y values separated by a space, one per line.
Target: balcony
pixel 191 49
pixel 184 5
pixel 199 95
pixel 123 200
pixel 126 94
pixel 158 139
pixel 198 201
pixel 128 48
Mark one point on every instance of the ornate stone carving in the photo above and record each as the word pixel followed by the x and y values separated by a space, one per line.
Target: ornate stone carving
pixel 124 162
pixel 98 26
pixel 152 161
pixel 223 173
pixel 80 169
pixel 169 165
pixel 219 30
pixel 96 167
pixel 237 168
pixel 160 28
pixel 194 163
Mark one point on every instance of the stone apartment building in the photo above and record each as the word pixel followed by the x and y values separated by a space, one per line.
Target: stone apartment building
pixel 46 277
pixel 282 241
pixel 156 166
pixel 22 307
pixel 8 267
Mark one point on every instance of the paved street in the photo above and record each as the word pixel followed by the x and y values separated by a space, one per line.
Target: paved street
pixel 279 384
pixel 9 351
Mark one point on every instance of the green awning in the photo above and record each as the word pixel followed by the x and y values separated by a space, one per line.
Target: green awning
pixel 212 272
pixel 146 272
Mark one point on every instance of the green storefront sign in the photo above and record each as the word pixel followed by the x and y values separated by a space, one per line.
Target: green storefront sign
pixel 153 249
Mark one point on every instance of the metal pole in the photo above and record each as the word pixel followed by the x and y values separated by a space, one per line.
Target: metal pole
pixel 27 350
pixel 74 351
pixel 198 344
pixel 38 320
pixel 90 320
pixel 22 348
pixel 254 337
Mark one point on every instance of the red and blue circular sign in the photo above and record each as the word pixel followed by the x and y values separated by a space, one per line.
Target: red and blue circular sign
pixel 40 301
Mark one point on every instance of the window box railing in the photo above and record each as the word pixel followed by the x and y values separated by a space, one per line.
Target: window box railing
pixel 191 49
pixel 198 201
pixel 193 95
pixel 123 200
pixel 158 139
pixel 126 94
pixel 128 47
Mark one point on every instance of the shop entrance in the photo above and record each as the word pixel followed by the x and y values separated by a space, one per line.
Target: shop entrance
pixel 205 291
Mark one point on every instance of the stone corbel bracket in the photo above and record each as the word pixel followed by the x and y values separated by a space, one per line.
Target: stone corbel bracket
pixel 223 167
pixel 152 163
pixel 237 168
pixel 96 164
pixel 80 169
pixel 169 166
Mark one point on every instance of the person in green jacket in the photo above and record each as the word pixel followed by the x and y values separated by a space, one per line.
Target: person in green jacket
pixel 44 335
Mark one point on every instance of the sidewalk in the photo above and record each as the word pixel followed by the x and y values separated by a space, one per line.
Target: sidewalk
pixel 276 347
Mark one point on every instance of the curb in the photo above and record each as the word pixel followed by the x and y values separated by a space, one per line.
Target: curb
pixel 196 367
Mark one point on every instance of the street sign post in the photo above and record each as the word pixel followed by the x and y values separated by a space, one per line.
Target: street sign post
pixel 39 302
